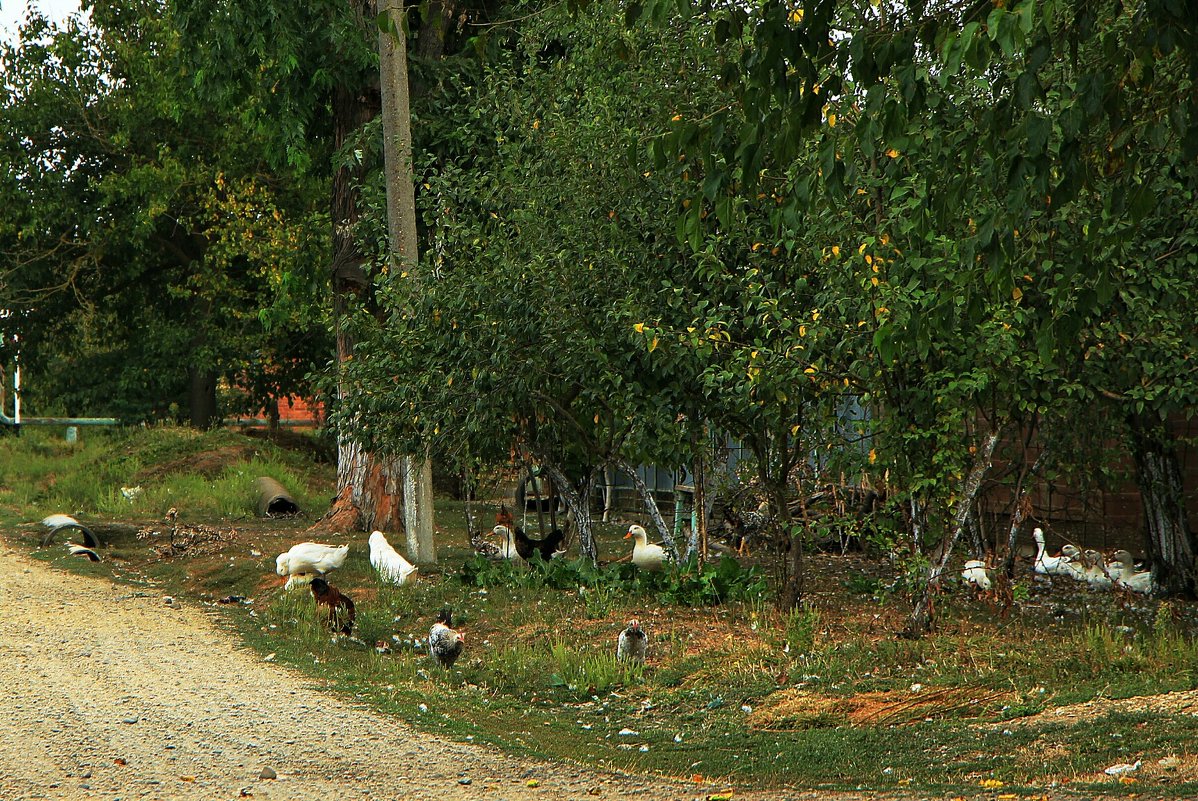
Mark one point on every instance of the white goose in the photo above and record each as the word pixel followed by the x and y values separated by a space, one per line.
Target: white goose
pixel 507 549
pixel 311 557
pixel 1063 565
pixel 1131 579
pixel 1095 573
pixel 390 563
pixel 977 574
pixel 644 555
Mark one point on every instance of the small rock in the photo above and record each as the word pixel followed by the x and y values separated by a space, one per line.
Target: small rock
pixel 628 733
pixel 133 719
pixel 168 600
pixel 268 658
pixel 268 773
pixel 87 774
pixel 466 781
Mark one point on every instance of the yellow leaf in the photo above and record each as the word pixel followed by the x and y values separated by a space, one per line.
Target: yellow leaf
pixel 831 120
pixel 869 259
pixel 990 784
pixel 753 355
pixel 874 280
pixel 861 249
pixel 653 345
pixel 1017 293
pixel 894 154
pixel 814 315
pixel 596 418
pixel 449 382
pixel 810 371
pixel 796 15
pixel 873 456
pixel 756 246
pixel 676 118
pixel 802 330
pixel 1127 780
pixel 836 250
pixel 639 328
pixel 904 782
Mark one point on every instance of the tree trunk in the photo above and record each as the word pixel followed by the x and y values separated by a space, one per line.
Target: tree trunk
pixel 793 583
pixel 367 488
pixel 578 500
pixel 201 398
pixel 402 247
pixel 698 539
pixel 920 622
pixel 1171 546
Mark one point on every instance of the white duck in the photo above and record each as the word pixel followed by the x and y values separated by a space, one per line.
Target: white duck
pixel 390 564
pixel 311 557
pixel 1063 565
pixel 1095 571
pixel 507 549
pixel 977 574
pixel 644 555
pixel 1129 578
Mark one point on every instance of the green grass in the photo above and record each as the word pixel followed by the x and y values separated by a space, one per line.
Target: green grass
pixel 539 675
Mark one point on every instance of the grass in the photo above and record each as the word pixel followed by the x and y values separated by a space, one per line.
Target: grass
pixel 825 697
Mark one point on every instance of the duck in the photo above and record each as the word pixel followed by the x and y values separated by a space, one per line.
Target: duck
pixel 1128 578
pixel 390 563
pixel 311 557
pixel 507 545
pixel 632 644
pixel 977 574
pixel 1095 572
pixel 646 556
pixel 1063 565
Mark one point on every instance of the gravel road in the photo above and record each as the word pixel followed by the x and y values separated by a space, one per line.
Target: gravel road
pixel 110 693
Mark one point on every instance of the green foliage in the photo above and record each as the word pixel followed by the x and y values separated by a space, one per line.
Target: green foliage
pixel 720 582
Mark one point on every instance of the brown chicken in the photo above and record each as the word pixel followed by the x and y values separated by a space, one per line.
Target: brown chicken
pixel 341 608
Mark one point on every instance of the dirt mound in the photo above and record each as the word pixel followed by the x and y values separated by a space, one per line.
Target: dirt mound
pixel 208 464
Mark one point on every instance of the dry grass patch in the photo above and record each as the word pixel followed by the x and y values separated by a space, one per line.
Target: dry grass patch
pixel 798 709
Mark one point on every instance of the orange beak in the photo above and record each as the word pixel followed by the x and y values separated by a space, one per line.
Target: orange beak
pixel 628 536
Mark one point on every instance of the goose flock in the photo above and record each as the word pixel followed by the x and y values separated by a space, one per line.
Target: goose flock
pixel 1087 566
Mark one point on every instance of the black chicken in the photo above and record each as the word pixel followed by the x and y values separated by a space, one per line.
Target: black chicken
pixel 527 546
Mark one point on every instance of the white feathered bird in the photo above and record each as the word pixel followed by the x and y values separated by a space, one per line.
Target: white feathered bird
pixel 311 557
pixel 645 555
pixel 977 574
pixel 1129 578
pixel 390 564
pixel 1063 565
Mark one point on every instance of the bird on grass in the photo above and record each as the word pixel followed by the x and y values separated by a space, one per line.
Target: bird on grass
pixel 1067 564
pixel 390 563
pixel 1129 578
pixel 444 644
pixel 632 644
pixel 311 557
pixel 341 608
pixel 60 522
pixel 977 574
pixel 548 548
pixel 645 555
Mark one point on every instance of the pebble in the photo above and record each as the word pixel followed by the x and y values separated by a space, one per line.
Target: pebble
pixel 465 781
pixel 129 720
pixel 268 773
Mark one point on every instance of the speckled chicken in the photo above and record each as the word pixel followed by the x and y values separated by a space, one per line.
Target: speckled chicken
pixel 444 644
pixel 632 644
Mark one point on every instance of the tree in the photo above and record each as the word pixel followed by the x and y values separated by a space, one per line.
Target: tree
pixel 145 238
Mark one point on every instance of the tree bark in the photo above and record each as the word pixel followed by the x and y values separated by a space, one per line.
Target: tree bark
pixel 402 247
pixel 578 500
pixel 1171 546
pixel 920 622
pixel 201 398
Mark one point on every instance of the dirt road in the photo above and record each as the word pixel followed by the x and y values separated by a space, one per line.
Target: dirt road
pixel 110 693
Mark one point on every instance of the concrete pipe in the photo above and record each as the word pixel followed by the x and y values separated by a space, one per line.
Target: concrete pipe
pixel 273 500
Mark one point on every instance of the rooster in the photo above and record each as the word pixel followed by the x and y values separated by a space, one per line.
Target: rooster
pixel 444 644
pixel 632 643
pixel 548 548
pixel 341 608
